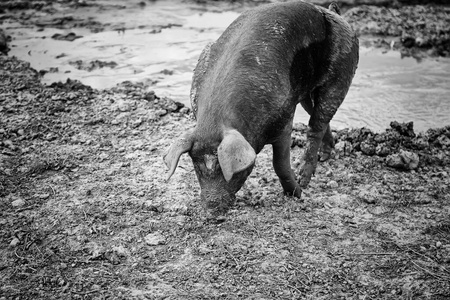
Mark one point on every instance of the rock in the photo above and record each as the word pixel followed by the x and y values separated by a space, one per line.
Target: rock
pixel 18 203
pixel 136 123
pixel 124 106
pixel 367 148
pixel 343 148
pixel 405 129
pixel 403 160
pixel 154 239
pixel 185 110
pixel 421 143
pixel 332 184
pixel 369 194
pixel 15 241
pixel 120 250
pixel 161 112
pixel 67 37
pixel 444 141
pixel 382 150
pixel 9 144
pixel 172 107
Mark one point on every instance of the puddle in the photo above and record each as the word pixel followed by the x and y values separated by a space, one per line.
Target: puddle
pixel 159 43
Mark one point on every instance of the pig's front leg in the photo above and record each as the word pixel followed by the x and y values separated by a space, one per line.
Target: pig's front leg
pixel 282 163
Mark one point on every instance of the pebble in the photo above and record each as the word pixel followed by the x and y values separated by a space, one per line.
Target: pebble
pixel 367 148
pixel 403 160
pixel 343 148
pixel 369 194
pixel 15 241
pixel 444 141
pixel 154 239
pixel 161 112
pixel 332 184
pixel 18 203
pixel 184 110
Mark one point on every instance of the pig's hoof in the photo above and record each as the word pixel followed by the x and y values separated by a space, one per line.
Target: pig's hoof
pixel 306 172
pixel 214 219
pixel 297 193
pixel 325 156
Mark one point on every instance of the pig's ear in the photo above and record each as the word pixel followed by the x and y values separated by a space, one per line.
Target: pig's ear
pixel 180 146
pixel 235 154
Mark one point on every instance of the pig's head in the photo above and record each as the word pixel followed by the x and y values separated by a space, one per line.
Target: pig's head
pixel 221 165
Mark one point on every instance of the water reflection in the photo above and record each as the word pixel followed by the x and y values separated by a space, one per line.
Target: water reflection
pixel 162 40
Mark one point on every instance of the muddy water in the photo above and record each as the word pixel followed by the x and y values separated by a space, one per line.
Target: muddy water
pixel 159 43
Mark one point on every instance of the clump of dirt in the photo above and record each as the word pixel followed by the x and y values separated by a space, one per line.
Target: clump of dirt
pixel 86 212
pixel 408 28
pixel 92 65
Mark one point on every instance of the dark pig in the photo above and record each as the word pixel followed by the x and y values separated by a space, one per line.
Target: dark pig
pixel 3 42
pixel 245 89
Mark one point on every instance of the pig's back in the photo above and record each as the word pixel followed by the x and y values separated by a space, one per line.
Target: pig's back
pixel 254 69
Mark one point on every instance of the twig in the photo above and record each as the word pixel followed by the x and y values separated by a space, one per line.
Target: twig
pixel 88 292
pixel 53 190
pixel 234 258
pixel 15 252
pixel 420 254
pixel 293 287
pixel 376 253
pixel 429 272
pixel 26 208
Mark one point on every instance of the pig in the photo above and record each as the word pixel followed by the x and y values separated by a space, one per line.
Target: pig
pixel 246 87
pixel 3 42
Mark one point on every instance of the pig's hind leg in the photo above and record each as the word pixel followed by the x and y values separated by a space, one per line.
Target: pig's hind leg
pixel 327 99
pixel 327 144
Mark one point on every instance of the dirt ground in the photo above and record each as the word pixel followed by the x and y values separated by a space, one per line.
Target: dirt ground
pixel 86 212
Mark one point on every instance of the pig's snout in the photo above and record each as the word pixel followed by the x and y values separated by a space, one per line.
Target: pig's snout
pixel 217 201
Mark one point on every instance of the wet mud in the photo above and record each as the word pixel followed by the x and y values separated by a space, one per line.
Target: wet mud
pixel 86 212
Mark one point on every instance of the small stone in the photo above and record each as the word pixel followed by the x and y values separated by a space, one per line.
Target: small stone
pixel 382 150
pixel 43 196
pixel 18 203
pixel 369 194
pixel 443 140
pixel 185 110
pixel 403 160
pixel 136 123
pixel 332 184
pixel 120 250
pixel 367 148
pixel 172 107
pixel 15 241
pixel 154 239
pixel 124 107
pixel 161 112
pixel 9 144
pixel 116 121
pixel 343 148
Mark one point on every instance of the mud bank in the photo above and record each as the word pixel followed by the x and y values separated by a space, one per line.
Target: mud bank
pixel 86 212
pixel 416 28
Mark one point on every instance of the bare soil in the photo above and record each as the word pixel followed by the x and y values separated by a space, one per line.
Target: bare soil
pixel 86 212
